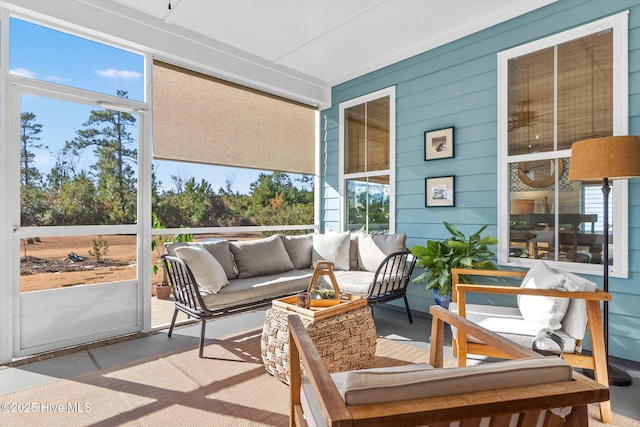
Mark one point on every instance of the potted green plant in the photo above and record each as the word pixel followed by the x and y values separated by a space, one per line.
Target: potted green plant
pixel 163 290
pixel 437 259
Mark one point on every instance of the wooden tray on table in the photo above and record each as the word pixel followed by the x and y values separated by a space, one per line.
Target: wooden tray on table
pixel 347 303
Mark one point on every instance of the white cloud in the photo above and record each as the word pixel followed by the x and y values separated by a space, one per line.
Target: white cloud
pixel 55 79
pixel 23 72
pixel 118 74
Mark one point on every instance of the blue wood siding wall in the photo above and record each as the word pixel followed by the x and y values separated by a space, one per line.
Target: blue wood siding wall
pixel 456 85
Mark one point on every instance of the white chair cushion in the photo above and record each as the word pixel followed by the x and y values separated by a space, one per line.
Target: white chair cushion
pixel 547 312
pixel 205 268
pixel 509 323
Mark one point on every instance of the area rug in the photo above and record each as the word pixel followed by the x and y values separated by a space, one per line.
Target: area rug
pixel 229 387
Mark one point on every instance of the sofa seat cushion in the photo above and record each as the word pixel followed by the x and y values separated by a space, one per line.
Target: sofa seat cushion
pixel 354 282
pixel 260 257
pixel 378 385
pixel 241 291
pixel 359 282
pixel 509 323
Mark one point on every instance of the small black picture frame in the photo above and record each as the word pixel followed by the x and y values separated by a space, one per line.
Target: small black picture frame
pixel 439 191
pixel 438 144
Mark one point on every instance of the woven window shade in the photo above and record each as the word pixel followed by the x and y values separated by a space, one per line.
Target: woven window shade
pixel 584 70
pixel 367 136
pixel 201 119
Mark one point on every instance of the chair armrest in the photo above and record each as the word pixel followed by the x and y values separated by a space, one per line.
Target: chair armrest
pixel 441 316
pixel 301 347
pixel 598 294
pixel 186 290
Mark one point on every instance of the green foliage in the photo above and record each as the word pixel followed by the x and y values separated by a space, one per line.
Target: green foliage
pixel 107 132
pixel 106 191
pixel 100 248
pixel 439 257
pixel 29 129
pixel 157 245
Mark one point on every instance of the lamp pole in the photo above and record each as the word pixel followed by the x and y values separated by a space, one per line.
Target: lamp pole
pixel 616 376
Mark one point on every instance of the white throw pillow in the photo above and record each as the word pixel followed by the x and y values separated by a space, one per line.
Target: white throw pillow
pixel 545 311
pixel 333 247
pixel 374 248
pixel 205 268
pixel 574 322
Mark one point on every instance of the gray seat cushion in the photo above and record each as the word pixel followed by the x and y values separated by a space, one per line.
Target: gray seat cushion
pixel 377 385
pixel 241 291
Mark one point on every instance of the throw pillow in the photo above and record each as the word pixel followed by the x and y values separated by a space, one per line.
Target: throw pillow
pixel 374 248
pixel 221 252
pixel 544 311
pixel 332 247
pixel 574 322
pixel 261 257
pixel 207 271
pixel 353 250
pixel 299 250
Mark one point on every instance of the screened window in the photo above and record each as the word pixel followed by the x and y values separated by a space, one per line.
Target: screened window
pixel 555 92
pixel 367 151
pixel 73 157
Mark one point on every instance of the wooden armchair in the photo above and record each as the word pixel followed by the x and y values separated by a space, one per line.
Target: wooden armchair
pixel 316 400
pixel 508 322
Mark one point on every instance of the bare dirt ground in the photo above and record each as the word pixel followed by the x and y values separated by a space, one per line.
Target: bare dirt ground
pixel 46 264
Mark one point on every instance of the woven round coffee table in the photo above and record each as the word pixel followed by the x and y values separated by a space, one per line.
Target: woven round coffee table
pixel 345 340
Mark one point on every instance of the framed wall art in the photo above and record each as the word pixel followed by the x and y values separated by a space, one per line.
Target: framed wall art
pixel 438 144
pixel 439 191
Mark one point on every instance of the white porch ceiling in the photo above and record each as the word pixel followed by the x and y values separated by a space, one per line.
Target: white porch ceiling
pixel 333 40
pixel 298 49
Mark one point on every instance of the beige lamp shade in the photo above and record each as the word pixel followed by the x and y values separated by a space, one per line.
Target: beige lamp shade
pixel 612 157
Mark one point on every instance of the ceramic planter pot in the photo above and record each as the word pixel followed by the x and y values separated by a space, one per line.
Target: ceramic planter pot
pixel 442 300
pixel 162 292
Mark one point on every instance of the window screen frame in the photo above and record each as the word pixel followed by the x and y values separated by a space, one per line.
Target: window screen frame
pixel 619 200
pixel 390 172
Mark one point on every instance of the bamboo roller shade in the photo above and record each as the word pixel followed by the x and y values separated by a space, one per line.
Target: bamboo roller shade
pixel 201 119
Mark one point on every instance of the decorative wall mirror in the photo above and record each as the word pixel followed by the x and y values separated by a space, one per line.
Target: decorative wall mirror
pixel 539 173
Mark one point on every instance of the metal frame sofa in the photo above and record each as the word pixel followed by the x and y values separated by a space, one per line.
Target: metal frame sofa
pixel 219 278
pixel 532 390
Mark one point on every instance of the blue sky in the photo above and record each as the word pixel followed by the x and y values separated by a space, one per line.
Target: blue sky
pixel 56 57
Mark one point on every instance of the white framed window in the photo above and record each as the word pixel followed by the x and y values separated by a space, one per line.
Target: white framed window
pixel 367 162
pixel 553 92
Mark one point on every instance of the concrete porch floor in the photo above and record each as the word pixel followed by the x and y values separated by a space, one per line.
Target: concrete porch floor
pixel 390 322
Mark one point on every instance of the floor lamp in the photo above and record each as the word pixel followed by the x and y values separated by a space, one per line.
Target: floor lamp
pixel 605 159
